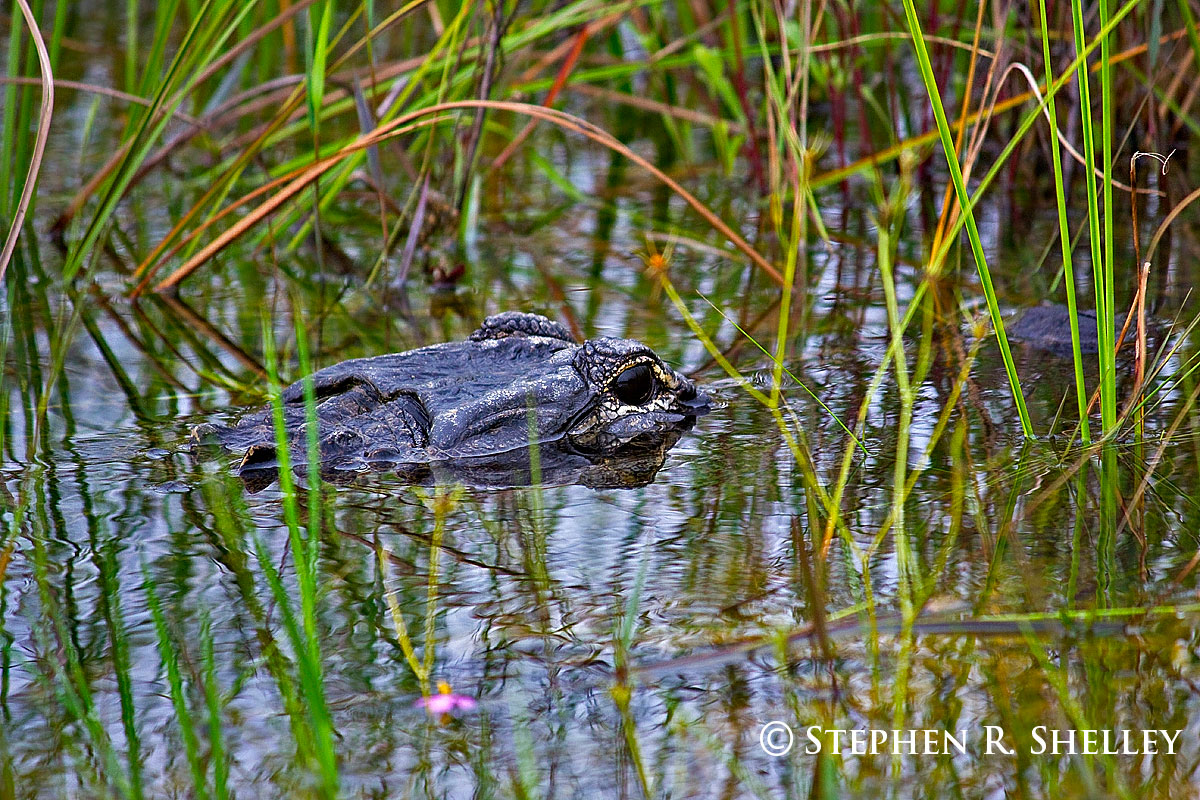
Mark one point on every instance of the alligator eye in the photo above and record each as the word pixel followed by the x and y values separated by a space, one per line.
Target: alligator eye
pixel 635 385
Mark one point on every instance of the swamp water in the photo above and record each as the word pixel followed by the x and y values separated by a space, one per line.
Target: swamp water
pixel 153 636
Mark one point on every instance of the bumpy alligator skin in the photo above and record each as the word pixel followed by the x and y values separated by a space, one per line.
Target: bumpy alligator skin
pixel 1048 328
pixel 470 406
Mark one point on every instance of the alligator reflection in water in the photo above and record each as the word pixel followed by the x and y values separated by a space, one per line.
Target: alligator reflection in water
pixel 602 413
pixel 634 464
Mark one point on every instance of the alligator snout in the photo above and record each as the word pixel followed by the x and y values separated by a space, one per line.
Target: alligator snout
pixel 695 401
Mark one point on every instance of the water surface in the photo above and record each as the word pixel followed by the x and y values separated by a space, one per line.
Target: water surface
pixel 616 641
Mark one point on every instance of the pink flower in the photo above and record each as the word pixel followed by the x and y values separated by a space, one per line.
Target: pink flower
pixel 445 701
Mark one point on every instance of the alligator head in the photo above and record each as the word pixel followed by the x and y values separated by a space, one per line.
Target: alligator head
pixel 520 380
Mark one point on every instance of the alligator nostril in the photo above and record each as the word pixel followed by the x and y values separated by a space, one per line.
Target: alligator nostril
pixel 688 392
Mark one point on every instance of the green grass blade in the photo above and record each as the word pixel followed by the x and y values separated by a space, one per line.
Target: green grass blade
pixel 964 199
pixel 183 714
pixel 212 701
pixel 1064 233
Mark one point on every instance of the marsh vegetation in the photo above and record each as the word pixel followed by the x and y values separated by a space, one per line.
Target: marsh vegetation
pixel 822 212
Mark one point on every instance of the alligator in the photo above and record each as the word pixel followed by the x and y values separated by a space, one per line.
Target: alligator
pixel 601 413
pixel 1047 328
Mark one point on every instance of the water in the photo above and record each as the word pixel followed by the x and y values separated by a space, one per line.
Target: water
pixel 610 637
